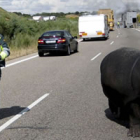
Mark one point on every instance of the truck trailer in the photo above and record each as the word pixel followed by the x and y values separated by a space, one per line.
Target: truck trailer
pixel 129 19
pixel 93 26
pixel 110 15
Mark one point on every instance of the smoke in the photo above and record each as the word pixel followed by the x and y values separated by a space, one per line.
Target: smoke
pixel 119 6
pixel 133 6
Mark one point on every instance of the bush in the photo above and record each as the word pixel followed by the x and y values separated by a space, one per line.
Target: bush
pixel 138 18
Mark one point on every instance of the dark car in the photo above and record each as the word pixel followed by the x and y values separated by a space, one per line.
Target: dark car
pixel 61 40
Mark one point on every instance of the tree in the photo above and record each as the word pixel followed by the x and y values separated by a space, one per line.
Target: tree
pixel 77 13
pixel 138 18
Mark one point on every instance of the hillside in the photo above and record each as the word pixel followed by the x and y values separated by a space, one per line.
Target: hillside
pixel 5 14
pixel 2 11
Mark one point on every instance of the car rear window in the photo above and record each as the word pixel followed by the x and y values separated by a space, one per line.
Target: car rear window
pixel 55 33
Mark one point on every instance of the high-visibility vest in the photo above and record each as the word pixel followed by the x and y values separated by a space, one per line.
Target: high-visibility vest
pixel 4 51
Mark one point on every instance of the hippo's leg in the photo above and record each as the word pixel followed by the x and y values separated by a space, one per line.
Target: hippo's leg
pixel 134 116
pixel 116 111
pixel 114 101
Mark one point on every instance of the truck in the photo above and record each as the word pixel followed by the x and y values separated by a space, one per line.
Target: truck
pixel 93 26
pixel 110 15
pixel 129 19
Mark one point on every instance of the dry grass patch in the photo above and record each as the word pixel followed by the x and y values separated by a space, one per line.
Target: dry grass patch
pixel 15 53
pixel 72 16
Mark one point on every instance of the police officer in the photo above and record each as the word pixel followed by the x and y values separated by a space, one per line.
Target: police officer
pixel 4 52
pixel 118 24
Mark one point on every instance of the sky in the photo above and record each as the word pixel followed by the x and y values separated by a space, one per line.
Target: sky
pixel 38 6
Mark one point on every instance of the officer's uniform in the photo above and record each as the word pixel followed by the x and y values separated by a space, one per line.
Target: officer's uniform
pixel 4 52
pixel 118 23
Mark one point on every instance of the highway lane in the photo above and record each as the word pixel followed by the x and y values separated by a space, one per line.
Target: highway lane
pixel 75 108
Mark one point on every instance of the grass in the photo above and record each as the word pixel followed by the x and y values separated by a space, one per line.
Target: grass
pixel 15 53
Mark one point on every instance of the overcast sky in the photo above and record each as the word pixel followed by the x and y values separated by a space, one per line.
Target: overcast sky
pixel 39 6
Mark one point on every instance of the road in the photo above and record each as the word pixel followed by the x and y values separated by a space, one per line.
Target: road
pixel 60 97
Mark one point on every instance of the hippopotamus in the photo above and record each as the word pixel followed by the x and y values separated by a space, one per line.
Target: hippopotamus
pixel 120 80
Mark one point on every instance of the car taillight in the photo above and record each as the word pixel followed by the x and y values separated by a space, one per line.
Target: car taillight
pixel 40 41
pixel 82 34
pixel 62 40
pixel 103 34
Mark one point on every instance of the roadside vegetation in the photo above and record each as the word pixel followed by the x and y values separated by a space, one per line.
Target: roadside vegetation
pixel 139 18
pixel 22 33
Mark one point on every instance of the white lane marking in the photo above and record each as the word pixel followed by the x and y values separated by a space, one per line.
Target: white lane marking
pixel 20 61
pixel 111 42
pixel 12 120
pixel 136 29
pixel 96 56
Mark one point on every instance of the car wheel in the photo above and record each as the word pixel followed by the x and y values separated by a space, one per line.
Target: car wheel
pixel 76 50
pixel 40 54
pixel 105 38
pixel 84 39
pixel 68 51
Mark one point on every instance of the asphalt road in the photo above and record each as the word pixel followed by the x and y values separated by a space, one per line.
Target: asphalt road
pixel 60 97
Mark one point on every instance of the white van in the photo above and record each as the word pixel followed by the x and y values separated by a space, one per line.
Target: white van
pixel 93 26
